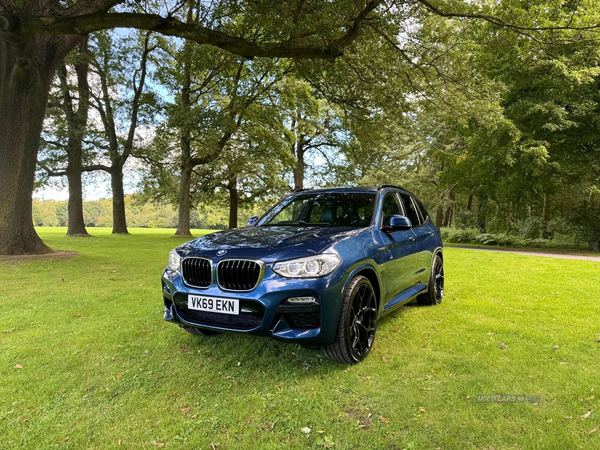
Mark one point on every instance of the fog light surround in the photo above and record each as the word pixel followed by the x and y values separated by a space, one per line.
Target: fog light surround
pixel 301 300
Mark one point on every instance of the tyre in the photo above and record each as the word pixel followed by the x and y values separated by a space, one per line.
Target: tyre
pixel 200 331
pixel 435 288
pixel 357 323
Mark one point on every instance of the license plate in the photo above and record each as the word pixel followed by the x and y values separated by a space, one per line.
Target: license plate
pixel 214 304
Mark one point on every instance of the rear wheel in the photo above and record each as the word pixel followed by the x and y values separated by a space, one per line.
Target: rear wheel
pixel 200 331
pixel 435 291
pixel 357 324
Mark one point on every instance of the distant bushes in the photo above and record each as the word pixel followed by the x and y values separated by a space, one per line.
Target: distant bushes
pixel 475 237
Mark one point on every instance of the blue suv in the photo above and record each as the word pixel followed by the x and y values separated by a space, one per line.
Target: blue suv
pixel 320 268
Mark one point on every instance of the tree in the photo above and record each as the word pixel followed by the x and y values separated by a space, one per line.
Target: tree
pixel 63 139
pixel 117 69
pixel 215 94
pixel 36 37
pixel 313 125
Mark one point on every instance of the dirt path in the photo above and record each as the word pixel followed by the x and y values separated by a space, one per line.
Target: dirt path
pixel 523 252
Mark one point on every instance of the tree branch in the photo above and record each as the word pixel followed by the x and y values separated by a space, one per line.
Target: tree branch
pixel 51 172
pixel 95 167
pixel 170 26
pixel 498 21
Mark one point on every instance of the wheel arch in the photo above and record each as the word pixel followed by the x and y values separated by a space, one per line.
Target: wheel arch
pixel 369 272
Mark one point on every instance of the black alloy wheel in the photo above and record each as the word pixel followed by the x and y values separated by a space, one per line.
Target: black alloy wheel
pixel 435 288
pixel 357 324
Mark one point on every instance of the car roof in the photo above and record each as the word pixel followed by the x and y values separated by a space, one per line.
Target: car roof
pixel 349 189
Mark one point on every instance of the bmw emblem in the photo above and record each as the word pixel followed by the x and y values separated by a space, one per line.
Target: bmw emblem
pixel 221 252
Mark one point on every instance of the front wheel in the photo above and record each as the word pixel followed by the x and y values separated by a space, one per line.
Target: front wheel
pixel 357 324
pixel 435 288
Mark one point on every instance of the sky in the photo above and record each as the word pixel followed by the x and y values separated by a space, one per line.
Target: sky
pixel 94 188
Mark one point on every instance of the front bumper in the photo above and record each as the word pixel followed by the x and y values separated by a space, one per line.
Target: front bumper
pixel 263 311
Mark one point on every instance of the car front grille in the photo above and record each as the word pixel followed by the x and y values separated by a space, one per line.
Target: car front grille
pixel 197 272
pixel 239 274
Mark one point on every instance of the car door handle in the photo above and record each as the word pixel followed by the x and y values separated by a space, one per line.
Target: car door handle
pixel 412 238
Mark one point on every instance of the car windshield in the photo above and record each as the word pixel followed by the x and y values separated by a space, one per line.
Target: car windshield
pixel 324 210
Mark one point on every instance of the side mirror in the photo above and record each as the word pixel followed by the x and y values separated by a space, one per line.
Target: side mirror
pixel 252 221
pixel 399 222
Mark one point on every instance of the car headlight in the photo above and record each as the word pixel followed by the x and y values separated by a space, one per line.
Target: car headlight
pixel 174 260
pixel 310 267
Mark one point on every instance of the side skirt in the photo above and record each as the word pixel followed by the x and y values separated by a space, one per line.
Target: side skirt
pixel 404 297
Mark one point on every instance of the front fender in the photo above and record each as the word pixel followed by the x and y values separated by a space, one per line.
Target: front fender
pixel 366 264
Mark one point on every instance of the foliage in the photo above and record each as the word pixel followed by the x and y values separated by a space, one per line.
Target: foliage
pixel 586 222
pixel 143 214
pixel 475 237
pixel 531 227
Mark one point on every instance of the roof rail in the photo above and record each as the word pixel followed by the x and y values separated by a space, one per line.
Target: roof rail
pixel 383 186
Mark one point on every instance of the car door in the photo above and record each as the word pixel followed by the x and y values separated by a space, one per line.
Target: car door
pixel 400 249
pixel 424 235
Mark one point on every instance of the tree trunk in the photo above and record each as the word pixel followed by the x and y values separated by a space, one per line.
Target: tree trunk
pixel 481 214
pixel 545 218
pixel 24 88
pixel 299 167
pixel 183 225
pixel 233 204
pixel 76 226
pixel 446 221
pixel 77 131
pixel 118 194
pixel 439 216
pixel 470 203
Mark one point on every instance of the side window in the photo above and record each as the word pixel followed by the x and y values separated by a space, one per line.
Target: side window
pixel 424 213
pixel 411 210
pixel 389 207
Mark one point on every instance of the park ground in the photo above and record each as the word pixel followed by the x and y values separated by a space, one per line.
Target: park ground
pixel 88 363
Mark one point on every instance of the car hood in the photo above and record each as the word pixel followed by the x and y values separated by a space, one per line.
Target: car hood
pixel 268 243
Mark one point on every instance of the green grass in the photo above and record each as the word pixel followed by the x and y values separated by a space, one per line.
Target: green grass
pixel 100 366
pixel 557 250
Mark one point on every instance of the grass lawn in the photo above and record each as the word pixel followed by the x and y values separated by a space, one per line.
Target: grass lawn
pixel 85 354
pixel 558 250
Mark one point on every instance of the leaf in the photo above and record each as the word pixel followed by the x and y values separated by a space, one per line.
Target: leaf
pixel 62 442
pixel 158 444
pixel 586 415
pixel 305 430
pixel 184 410
pixel 422 410
pixel 593 431
pixel 384 420
pixel 18 366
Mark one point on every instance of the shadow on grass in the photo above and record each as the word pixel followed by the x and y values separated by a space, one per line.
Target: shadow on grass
pixel 259 353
